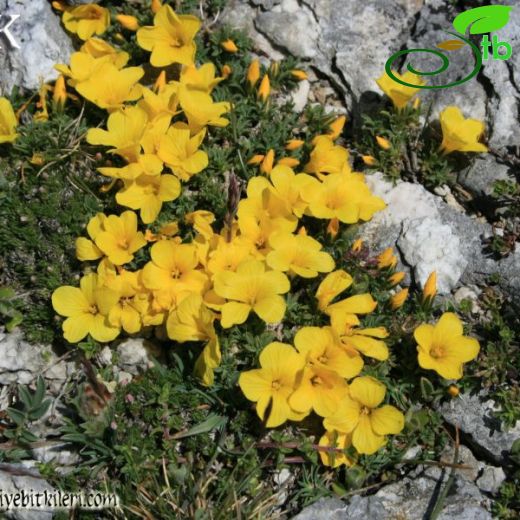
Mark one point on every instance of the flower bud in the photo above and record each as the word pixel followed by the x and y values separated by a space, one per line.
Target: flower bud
pixel 128 22
pixel 300 75
pixel 265 88
pixel 294 144
pixel 229 45
pixel 398 299
pixel 267 164
pixel 369 160
pixel 430 287
pixel 383 143
pixel 253 73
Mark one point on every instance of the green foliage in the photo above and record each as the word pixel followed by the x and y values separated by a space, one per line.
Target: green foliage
pixel 8 313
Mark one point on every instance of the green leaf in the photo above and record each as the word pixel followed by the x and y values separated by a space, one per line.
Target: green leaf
pixel 40 391
pixel 25 397
pixel 16 416
pixel 483 19
pixel 211 423
pixel 39 411
pixel 14 322
pixel 427 389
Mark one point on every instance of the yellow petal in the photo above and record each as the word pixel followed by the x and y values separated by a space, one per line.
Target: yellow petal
pixel 368 391
pixel 364 439
pixel 70 301
pixel 386 420
pixel 77 327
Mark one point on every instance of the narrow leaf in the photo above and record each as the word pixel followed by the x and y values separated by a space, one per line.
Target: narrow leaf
pixel 211 423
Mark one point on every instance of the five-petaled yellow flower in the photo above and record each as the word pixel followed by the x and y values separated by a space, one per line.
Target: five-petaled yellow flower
pixel 400 94
pixel 460 134
pixel 171 38
pixel 271 385
pixel 443 347
pixel 359 413
pixel 86 20
pixel 251 288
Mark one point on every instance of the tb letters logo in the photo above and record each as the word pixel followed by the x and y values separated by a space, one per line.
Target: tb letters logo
pixel 479 21
pixel 5 22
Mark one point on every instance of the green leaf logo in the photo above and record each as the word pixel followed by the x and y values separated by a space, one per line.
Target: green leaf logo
pixel 482 19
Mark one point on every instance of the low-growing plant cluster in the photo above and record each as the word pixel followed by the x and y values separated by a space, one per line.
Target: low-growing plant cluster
pixel 223 227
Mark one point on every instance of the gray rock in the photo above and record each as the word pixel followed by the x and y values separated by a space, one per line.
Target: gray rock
pixel 266 4
pixel 491 479
pixel 58 452
pixel 21 362
pixel 323 509
pixel 408 226
pixel 480 176
pixel 42 41
pixel 135 355
pixel 10 482
pixel 475 416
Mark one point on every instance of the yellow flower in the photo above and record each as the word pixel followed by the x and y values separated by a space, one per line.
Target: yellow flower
pixel 367 341
pixel 160 82
pixel 8 122
pixel 400 94
pixel 321 348
pixel 98 48
pixel 443 347
pixel 398 299
pixel 147 193
pixel 294 144
pixel 181 153
pixel 264 89
pixel 300 75
pixel 201 110
pixel 251 288
pixel 119 239
pixel 170 38
pixel 271 385
pixel 161 103
pixel 229 46
pixel 59 95
pixel 267 164
pixel 326 157
pixel 345 197
pixel 86 20
pixel 359 413
pixel 109 88
pixel 125 130
pixel 460 134
pixel 396 278
pixel 86 309
pixel 173 271
pixel 201 221
pixel 86 249
pixel 128 22
pixel 202 78
pixel 430 287
pixel 126 314
pixel 319 389
pixel 386 259
pixel 227 256
pixel 369 160
pixel 383 143
pixel 341 441
pixel 193 321
pixel 336 127
pixel 298 254
pixel 331 286
pixel 253 73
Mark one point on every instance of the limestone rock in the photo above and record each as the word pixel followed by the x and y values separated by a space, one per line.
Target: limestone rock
pixel 135 355
pixel 42 40
pixel 474 415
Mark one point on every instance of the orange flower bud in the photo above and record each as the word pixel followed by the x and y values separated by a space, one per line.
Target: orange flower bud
pixel 383 143
pixel 267 164
pixel 369 160
pixel 229 45
pixel 289 161
pixel 265 88
pixel 156 5
pixel 226 71
pixel 333 227
pixel 396 278
pixel 256 159
pixel 336 127
pixel 128 22
pixel 398 299
pixel 453 390
pixel 386 259
pixel 59 96
pixel 253 73
pixel 357 245
pixel 119 37
pixel 430 287
pixel 294 144
pixel 300 75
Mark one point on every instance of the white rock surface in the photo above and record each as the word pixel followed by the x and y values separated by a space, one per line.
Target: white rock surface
pixel 429 246
pixel 42 40
pixel 135 355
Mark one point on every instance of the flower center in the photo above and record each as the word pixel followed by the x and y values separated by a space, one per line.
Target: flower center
pixel 437 351
pixel 123 243
pixel 365 410
pixel 276 385
pixel 316 381
pixel 93 309
pixel 323 359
